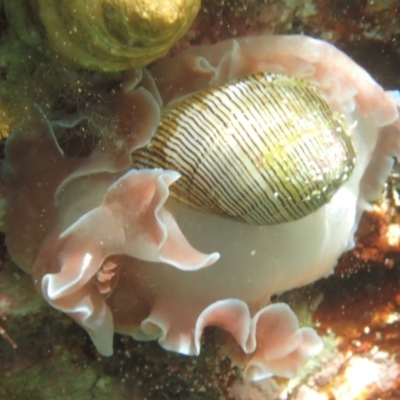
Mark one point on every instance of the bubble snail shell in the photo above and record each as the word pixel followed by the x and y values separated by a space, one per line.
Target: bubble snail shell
pixel 104 35
pixel 235 171
pixel 265 149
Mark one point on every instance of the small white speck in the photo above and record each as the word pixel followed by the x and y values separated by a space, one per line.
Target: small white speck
pixel 392 318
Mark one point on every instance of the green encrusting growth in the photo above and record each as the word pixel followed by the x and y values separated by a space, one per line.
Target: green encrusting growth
pixel 265 149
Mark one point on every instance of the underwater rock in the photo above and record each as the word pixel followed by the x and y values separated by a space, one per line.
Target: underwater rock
pixel 106 245
pixel 103 35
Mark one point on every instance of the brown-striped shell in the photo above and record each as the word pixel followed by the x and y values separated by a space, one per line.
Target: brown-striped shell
pixel 265 149
pixel 102 34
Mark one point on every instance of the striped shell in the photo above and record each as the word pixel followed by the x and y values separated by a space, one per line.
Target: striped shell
pixel 265 149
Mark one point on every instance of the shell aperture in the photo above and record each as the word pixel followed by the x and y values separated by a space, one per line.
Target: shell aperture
pixel 265 149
